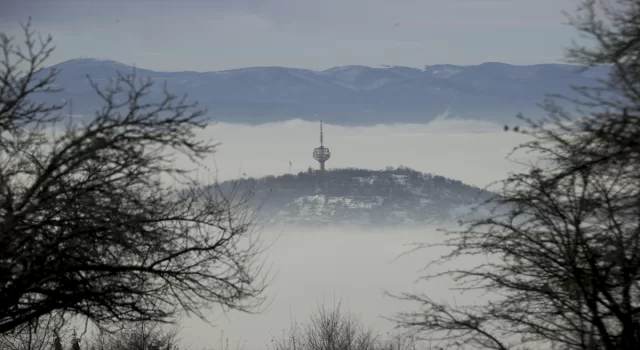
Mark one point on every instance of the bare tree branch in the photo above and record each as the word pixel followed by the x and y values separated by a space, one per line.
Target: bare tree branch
pixel 562 248
pixel 89 224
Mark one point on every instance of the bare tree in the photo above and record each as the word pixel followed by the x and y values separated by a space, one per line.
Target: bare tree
pixel 563 263
pixel 141 336
pixel 334 329
pixel 40 334
pixel 562 252
pixel 607 120
pixel 90 226
pixel 328 329
pixel 402 341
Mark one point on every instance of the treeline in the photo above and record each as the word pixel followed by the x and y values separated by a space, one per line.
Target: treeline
pixel 352 180
pixel 399 185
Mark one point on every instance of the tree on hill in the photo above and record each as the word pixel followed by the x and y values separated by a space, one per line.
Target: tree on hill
pixel 97 221
pixel 562 258
pixel 57 343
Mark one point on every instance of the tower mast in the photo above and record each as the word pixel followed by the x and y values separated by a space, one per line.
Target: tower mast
pixel 321 154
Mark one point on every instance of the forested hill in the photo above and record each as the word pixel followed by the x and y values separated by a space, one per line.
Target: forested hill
pixel 394 196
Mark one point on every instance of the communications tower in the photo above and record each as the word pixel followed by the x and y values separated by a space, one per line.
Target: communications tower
pixel 321 154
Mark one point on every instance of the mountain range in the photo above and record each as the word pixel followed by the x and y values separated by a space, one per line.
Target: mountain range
pixel 349 95
pixel 359 197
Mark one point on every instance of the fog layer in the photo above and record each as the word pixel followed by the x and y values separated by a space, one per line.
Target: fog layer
pixel 327 266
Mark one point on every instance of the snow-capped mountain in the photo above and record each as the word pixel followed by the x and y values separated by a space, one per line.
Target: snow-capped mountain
pixel 390 197
pixel 349 95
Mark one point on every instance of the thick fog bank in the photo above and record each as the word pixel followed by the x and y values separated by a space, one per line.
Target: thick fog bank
pixel 315 266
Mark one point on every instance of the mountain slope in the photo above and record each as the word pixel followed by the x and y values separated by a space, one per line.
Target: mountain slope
pixel 360 197
pixel 350 95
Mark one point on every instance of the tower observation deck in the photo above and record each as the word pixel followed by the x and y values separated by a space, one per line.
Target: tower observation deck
pixel 321 154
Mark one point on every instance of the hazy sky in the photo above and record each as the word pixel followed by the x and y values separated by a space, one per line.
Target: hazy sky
pixel 205 35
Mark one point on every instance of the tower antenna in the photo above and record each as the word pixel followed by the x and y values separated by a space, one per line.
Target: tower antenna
pixel 321 154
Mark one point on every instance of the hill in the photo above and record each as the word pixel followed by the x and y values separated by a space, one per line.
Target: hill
pixel 360 197
pixel 349 95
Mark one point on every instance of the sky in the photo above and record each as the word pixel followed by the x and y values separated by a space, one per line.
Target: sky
pixel 209 35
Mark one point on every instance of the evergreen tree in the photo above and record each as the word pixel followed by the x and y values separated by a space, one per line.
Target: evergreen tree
pixel 75 342
pixel 57 343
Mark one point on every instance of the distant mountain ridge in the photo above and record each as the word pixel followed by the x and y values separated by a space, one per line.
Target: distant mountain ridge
pixel 359 197
pixel 349 95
